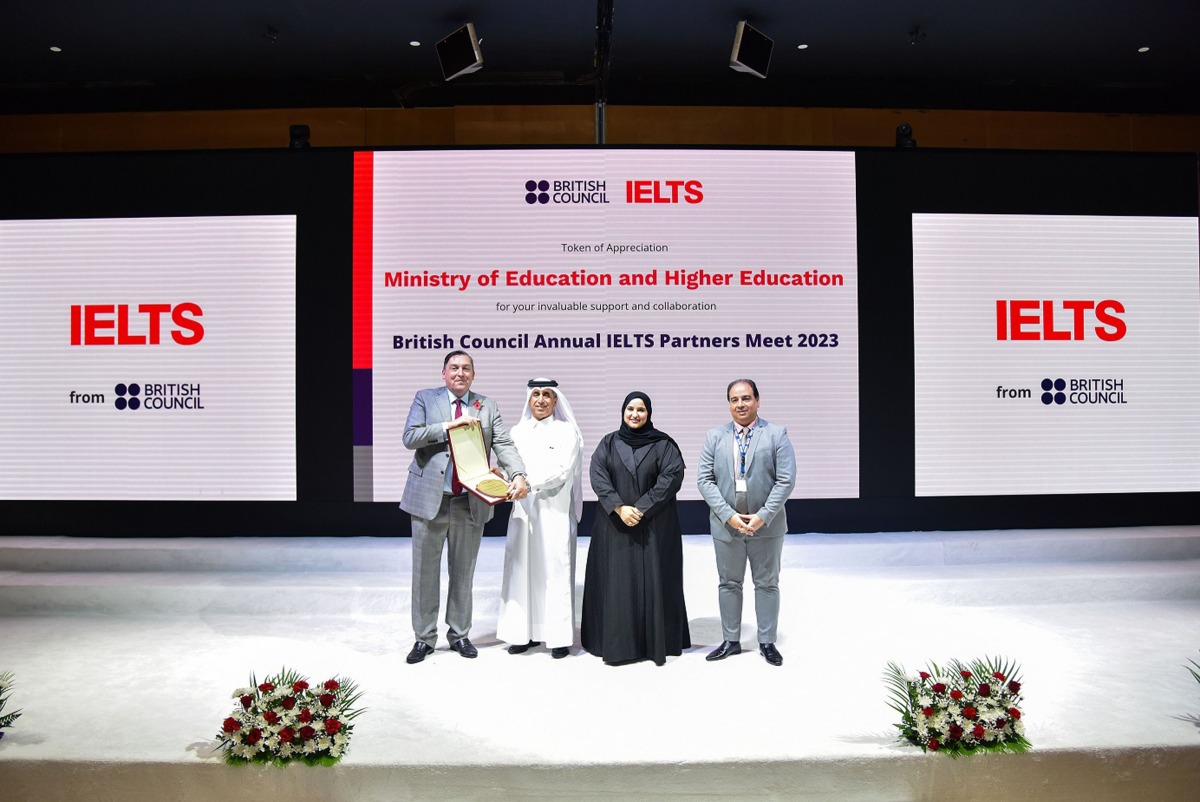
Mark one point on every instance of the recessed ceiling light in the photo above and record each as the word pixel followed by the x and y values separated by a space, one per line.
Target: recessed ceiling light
pixel 1143 50
pixel 414 43
pixel 802 47
pixel 55 49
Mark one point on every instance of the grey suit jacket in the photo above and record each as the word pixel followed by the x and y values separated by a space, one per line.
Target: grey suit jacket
pixel 770 478
pixel 423 432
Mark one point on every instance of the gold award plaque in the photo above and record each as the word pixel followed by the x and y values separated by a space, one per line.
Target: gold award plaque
pixel 471 461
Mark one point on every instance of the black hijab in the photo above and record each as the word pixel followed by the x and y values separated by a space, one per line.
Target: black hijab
pixel 647 434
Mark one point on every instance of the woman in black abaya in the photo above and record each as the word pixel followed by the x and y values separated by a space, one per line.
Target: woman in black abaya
pixel 633 605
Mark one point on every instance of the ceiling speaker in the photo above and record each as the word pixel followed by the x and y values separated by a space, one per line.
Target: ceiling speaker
pixel 751 51
pixel 459 53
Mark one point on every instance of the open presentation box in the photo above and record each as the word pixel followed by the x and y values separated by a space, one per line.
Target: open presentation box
pixel 471 462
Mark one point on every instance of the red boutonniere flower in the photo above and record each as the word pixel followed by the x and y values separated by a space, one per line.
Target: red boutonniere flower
pixel 477 404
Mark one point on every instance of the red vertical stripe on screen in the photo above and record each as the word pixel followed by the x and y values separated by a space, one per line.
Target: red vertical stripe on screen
pixel 364 197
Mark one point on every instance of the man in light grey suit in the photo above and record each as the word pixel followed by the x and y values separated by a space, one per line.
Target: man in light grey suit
pixel 747 472
pixel 442 511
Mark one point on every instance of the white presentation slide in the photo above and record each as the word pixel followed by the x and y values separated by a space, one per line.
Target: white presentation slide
pixel 148 359
pixel 666 271
pixel 1056 354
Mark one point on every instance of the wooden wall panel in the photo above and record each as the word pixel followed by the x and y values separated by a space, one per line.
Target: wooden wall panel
pixel 179 130
pixel 408 127
pixel 1180 134
pixel 524 125
pixel 1058 131
pixel 574 125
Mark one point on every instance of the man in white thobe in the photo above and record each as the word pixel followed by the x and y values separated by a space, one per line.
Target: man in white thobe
pixel 537 599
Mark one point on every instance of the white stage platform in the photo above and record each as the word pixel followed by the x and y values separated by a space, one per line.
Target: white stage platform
pixel 126 653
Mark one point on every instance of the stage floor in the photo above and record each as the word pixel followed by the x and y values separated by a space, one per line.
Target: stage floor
pixel 126 654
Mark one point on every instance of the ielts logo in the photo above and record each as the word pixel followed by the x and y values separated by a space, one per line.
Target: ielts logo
pixel 1035 320
pixel 663 192
pixel 135 324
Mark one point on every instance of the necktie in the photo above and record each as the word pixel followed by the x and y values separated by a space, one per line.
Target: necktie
pixel 455 486
pixel 742 437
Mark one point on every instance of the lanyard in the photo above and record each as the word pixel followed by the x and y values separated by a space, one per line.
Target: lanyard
pixel 743 447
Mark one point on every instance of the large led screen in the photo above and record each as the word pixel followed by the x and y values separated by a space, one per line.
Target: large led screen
pixel 148 358
pixel 670 272
pixel 1056 354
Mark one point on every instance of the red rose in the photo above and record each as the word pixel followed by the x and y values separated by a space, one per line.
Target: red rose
pixel 969 712
pixel 331 685
pixel 956 694
pixel 326 699
pixel 298 686
pixel 978 732
pixel 307 732
pixel 289 702
pixel 1000 722
pixel 266 687
pixel 939 687
pixel 965 674
pixel 928 711
pixel 246 701
pixel 332 725
pixel 270 717
pixel 286 735
pixel 985 690
pixel 933 744
pixel 924 675
pixel 1014 687
pixel 231 725
pixel 254 736
pixel 305 716
pixel 955 732
pixel 1016 714
pixel 998 675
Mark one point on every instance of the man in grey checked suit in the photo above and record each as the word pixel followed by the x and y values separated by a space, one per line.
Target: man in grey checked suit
pixel 442 511
pixel 747 472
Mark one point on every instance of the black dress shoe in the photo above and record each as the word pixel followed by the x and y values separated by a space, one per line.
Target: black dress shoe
pixel 521 648
pixel 559 652
pixel 419 651
pixel 464 647
pixel 726 649
pixel 770 653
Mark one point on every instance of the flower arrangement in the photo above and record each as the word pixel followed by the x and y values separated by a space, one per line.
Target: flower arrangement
pixel 285 719
pixel 6 685
pixel 960 709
